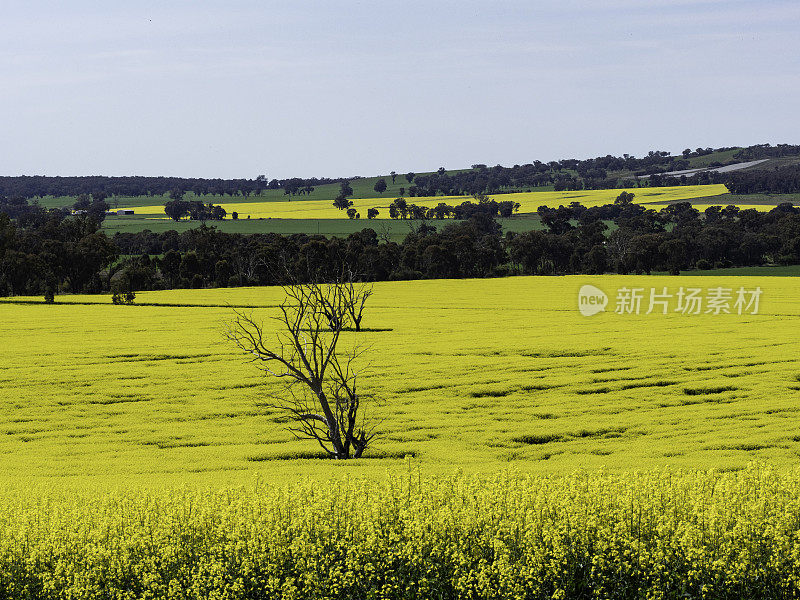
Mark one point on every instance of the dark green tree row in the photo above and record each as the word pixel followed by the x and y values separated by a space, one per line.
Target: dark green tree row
pixel 38 186
pixel 676 238
pixel 564 175
pixel 623 237
pixel 402 209
pixel 785 180
pixel 48 252
pixel 767 151
pixel 196 210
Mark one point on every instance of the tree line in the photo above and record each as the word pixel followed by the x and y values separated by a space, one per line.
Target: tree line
pixel 38 186
pixel 400 208
pixel 758 151
pixel 177 208
pixel 784 180
pixel 629 238
pixel 49 251
pixel 565 174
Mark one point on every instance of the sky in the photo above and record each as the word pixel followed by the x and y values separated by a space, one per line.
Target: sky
pixel 241 88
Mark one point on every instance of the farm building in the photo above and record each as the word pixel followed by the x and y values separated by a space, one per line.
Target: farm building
pixel 125 211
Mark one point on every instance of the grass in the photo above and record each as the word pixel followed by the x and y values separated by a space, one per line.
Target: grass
pixel 396 230
pixel 150 394
pixel 761 201
pixel 769 271
pixel 724 157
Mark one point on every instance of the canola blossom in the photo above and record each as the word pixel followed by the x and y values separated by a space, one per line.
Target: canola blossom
pixel 507 536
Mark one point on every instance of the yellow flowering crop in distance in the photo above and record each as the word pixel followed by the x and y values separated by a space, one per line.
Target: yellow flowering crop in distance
pixel 529 202
pixel 479 375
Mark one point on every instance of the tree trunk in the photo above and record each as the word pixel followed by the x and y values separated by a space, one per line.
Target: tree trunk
pixel 334 435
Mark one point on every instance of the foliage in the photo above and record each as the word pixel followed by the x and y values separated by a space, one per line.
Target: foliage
pixel 785 180
pixel 95 206
pixel 484 206
pixel 127 297
pixel 638 535
pixel 38 186
pixel 767 151
pixel 177 208
pixel 46 251
pixel 341 202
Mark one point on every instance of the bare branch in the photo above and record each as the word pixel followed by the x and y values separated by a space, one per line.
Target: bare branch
pixel 327 405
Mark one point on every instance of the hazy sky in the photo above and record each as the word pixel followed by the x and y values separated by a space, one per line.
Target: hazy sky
pixel 337 88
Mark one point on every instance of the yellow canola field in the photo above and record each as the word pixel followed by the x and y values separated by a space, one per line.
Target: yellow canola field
pixel 529 202
pixel 637 535
pixel 480 375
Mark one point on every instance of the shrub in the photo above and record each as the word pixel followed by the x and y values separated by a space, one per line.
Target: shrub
pixel 126 297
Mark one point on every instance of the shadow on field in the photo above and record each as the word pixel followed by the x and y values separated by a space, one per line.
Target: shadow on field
pixel 135 304
pixel 305 455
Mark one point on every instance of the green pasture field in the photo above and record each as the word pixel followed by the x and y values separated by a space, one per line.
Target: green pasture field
pixel 724 157
pixel 765 271
pixel 744 199
pixel 396 230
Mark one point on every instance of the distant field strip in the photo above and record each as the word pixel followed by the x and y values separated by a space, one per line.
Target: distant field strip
pixel 529 202
pixel 476 374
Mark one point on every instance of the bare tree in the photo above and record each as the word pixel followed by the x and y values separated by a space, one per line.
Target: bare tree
pixel 355 298
pixel 321 397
